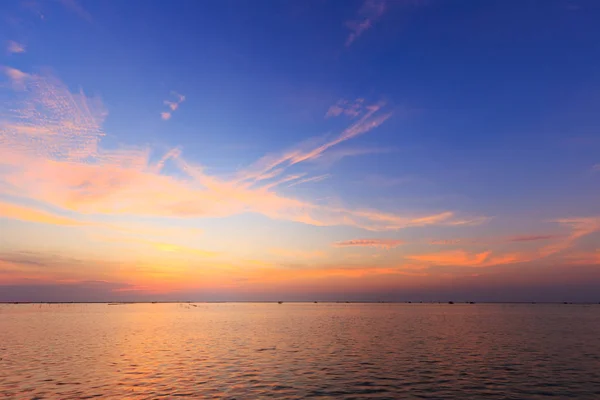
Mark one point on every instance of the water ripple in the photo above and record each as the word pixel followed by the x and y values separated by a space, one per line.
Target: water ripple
pixel 240 351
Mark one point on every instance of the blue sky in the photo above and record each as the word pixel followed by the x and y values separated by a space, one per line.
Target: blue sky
pixel 414 121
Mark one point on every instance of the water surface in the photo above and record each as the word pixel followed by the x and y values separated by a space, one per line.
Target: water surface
pixel 295 350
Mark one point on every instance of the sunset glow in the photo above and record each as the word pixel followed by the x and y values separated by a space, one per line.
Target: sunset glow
pixel 364 152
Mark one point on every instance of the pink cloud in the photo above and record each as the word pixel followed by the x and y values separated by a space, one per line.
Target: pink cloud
pixel 16 76
pixel 349 108
pixel 173 105
pixel 368 14
pixel 383 243
pixel 579 227
pixel 14 47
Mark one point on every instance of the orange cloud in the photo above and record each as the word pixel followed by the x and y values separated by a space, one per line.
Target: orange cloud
pixel 54 156
pixel 455 257
pixel 383 243
pixel 21 213
pixel 462 258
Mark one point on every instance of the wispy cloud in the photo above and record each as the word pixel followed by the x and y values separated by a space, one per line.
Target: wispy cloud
pixel 333 156
pixel 383 243
pixel 13 47
pixel 463 258
pixel 318 178
pixel 531 238
pixel 596 168
pixel 454 258
pixel 313 149
pixel 585 258
pixel 13 211
pixel 173 105
pixel 17 77
pixel 368 14
pixel 50 151
pixel 348 108
pixel 446 242
pixel 579 227
pixel 75 7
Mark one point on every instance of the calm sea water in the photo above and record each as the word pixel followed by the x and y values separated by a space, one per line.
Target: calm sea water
pixel 288 350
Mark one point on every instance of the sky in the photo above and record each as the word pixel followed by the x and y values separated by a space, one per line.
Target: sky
pixel 237 150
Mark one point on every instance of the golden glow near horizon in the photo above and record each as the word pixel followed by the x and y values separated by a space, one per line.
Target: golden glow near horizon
pixel 181 200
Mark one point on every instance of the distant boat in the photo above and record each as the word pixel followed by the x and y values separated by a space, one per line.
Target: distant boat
pixel 280 302
pixel 450 302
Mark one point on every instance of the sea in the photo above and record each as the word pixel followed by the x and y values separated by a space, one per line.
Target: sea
pixel 299 350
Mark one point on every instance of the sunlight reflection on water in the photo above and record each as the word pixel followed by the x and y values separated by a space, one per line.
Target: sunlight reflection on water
pixel 296 350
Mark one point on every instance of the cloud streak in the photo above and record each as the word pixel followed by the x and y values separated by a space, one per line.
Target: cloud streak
pixel 13 211
pixel 531 238
pixel 381 243
pixel 579 227
pixel 368 14
pixel 463 258
pixel 275 164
